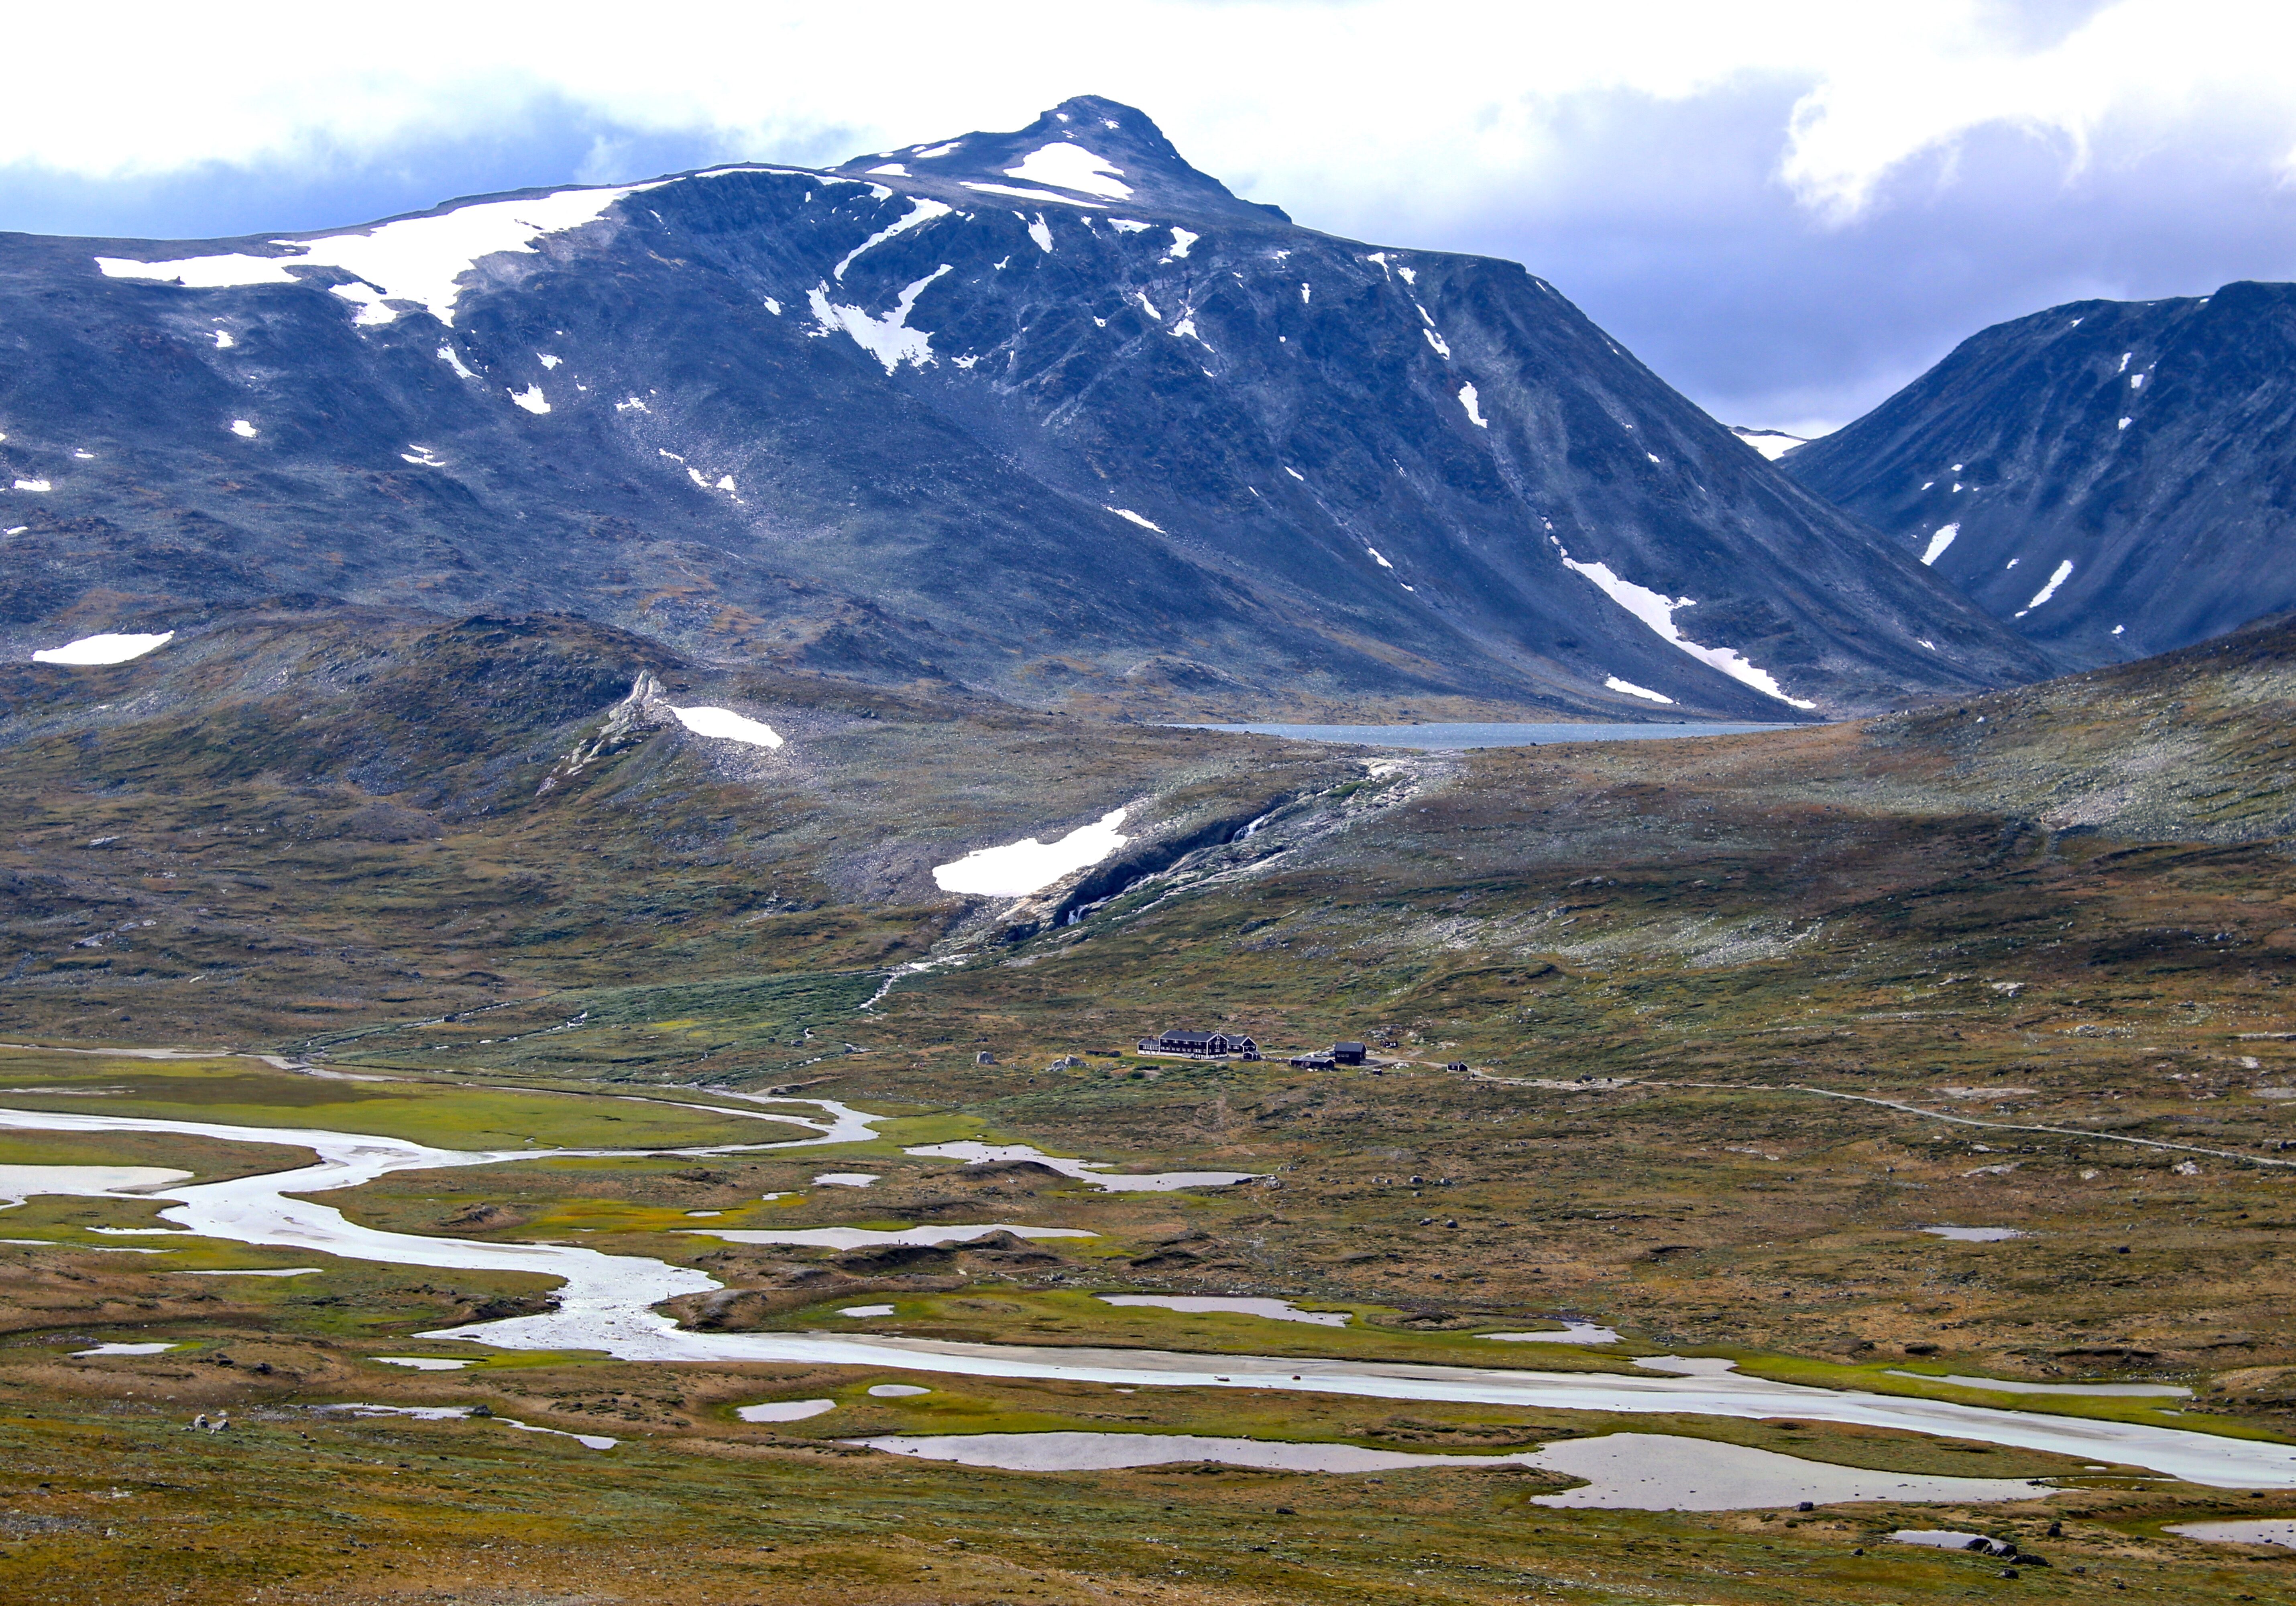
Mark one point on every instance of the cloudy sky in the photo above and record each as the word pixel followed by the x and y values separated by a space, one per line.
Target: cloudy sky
pixel 1786 209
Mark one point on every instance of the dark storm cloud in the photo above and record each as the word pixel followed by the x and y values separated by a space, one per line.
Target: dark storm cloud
pixel 1671 228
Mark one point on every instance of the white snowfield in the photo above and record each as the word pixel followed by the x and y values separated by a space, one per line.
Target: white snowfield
pixel 888 338
pixel 2064 571
pixel 90 651
pixel 1028 866
pixel 1625 1471
pixel 1771 444
pixel 1632 690
pixel 728 726
pixel 418 259
pixel 1657 611
pixel 921 210
pixel 1072 167
pixel 607 1303
pixel 1938 543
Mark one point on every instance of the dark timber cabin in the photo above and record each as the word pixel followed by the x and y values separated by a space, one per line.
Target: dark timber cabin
pixel 1200 1045
pixel 1347 1053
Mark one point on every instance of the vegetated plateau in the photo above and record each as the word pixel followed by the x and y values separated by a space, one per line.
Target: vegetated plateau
pixel 1743 1015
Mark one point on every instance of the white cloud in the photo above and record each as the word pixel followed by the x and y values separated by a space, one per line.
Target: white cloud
pixel 1786 208
pixel 2147 66
pixel 1878 86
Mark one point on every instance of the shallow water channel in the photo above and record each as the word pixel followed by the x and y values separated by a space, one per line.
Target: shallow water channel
pixel 1444 737
pixel 1631 1471
pixel 607 1304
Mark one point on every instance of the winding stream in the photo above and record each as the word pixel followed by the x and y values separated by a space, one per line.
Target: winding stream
pixel 607 1304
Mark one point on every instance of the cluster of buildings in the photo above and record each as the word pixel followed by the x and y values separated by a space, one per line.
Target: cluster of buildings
pixel 1224 1045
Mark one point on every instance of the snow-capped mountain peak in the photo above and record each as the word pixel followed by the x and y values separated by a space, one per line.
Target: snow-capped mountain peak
pixel 1088 152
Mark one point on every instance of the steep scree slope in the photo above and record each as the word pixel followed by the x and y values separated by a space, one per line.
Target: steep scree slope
pixel 2114 479
pixel 1048 413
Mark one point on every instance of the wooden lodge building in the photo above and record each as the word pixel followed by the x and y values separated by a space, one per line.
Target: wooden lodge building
pixel 1202 1045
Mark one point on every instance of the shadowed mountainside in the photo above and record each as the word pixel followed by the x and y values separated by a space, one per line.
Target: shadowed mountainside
pixel 1125 442
pixel 2112 479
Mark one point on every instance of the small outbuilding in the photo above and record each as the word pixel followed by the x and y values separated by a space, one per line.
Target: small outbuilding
pixel 1347 1053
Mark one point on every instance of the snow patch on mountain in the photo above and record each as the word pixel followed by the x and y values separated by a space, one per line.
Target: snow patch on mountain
pixel 1070 167
pixel 1771 444
pixel 1435 339
pixel 728 726
pixel 421 259
pixel 369 300
pixel 91 651
pixel 1475 413
pixel 2064 571
pixel 1657 611
pixel 888 338
pixel 1938 543
pixel 1029 866
pixel 921 210
pixel 1632 690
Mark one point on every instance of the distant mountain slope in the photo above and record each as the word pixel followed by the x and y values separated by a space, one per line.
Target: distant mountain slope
pixel 1048 413
pixel 2113 479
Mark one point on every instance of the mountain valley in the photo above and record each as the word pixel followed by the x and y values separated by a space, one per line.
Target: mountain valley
pixel 606 796
pixel 1740 1016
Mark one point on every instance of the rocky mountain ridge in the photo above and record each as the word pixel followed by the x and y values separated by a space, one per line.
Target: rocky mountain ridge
pixel 2112 479
pixel 1048 414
